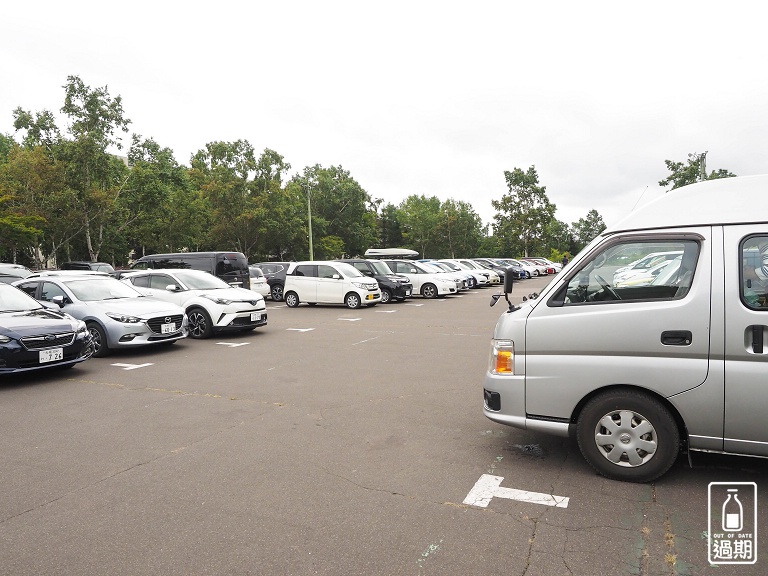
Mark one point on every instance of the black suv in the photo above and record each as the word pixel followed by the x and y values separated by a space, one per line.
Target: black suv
pixel 275 274
pixel 393 286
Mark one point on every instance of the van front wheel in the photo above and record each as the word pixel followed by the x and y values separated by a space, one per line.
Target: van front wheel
pixel 628 435
pixel 291 299
pixel 352 300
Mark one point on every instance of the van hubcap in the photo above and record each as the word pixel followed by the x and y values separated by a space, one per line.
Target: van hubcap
pixel 626 438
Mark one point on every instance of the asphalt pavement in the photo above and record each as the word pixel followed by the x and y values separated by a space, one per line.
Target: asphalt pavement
pixel 331 441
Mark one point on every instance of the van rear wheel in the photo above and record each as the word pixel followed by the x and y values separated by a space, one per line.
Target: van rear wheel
pixel 291 299
pixel 628 435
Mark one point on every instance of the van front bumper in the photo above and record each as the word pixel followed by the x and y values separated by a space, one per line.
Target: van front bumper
pixel 504 402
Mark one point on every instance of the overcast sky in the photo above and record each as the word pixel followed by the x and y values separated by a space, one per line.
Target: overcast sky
pixel 433 98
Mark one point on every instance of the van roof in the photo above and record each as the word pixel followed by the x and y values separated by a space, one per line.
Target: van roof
pixel 739 200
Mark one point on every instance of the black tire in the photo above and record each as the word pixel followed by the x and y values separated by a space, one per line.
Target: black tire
pixel 429 291
pixel 291 299
pixel 199 322
pixel 386 296
pixel 100 346
pixel 628 435
pixel 276 292
pixel 352 300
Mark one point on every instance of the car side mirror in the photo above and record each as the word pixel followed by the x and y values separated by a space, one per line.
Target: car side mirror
pixel 336 277
pixel 59 301
pixel 172 288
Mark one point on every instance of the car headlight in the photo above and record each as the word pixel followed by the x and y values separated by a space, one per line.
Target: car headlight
pixel 81 327
pixel 124 318
pixel 502 357
pixel 5 339
pixel 217 299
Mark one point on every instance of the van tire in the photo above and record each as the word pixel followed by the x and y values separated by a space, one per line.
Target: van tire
pixel 291 299
pixel 277 292
pixel 636 420
pixel 386 295
pixel 199 323
pixel 352 300
pixel 429 291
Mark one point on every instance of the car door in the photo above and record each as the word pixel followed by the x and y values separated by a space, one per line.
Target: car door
pixel 409 270
pixel 589 335
pixel 746 339
pixel 304 282
pixel 330 285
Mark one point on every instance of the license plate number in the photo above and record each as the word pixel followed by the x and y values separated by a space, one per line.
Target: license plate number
pixel 167 328
pixel 255 317
pixel 407 292
pixel 51 355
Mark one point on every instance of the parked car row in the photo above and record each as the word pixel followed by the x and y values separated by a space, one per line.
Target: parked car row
pixel 362 281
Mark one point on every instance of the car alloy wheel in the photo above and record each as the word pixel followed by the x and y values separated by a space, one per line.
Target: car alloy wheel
pixel 429 291
pixel 352 300
pixel 199 323
pixel 386 296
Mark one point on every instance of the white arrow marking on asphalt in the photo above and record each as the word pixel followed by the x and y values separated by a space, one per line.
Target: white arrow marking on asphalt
pixel 132 366
pixel 489 487
pixel 233 344
pixel 300 329
pixel 350 319
pixel 414 304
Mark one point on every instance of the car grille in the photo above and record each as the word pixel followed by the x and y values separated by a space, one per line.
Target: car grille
pixel 48 341
pixel 156 323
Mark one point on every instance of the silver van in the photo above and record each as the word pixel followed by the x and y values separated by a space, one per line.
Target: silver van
pixel 640 372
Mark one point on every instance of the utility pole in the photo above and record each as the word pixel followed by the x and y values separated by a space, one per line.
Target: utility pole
pixel 703 167
pixel 309 215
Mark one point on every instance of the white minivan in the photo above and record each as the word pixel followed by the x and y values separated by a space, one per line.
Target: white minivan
pixel 640 373
pixel 329 282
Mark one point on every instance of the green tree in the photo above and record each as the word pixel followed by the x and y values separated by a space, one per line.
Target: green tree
pixel 522 214
pixel 420 217
pixel 586 229
pixel 459 228
pixel 390 228
pixel 694 170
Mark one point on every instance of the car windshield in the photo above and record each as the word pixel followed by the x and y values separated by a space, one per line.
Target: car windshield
pixel 14 300
pixel 348 270
pixel 96 288
pixel 200 280
pixel 380 268
pixel 430 267
pixel 453 266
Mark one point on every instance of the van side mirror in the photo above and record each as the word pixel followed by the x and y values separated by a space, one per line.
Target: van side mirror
pixel 336 277
pixel 59 301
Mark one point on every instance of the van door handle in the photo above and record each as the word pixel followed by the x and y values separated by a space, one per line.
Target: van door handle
pixel 676 337
pixel 757 339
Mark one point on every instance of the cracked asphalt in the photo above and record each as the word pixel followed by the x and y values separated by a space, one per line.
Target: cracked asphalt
pixel 341 450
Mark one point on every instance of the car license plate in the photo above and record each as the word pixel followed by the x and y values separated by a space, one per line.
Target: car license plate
pixel 167 328
pixel 51 355
pixel 407 292
pixel 255 317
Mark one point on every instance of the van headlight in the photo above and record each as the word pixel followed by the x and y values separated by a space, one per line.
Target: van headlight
pixel 360 285
pixel 502 357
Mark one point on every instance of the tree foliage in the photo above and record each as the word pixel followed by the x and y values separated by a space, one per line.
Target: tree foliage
pixel 693 170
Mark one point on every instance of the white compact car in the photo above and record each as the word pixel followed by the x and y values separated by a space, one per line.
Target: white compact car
pixel 259 281
pixel 425 282
pixel 329 282
pixel 211 304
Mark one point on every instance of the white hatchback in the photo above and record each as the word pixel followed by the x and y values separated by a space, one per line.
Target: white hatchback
pixel 211 304
pixel 328 282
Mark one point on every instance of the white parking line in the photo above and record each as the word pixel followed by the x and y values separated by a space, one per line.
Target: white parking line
pixel 233 344
pixel 300 329
pixel 363 341
pixel 409 304
pixel 132 366
pixel 350 319
pixel 489 487
pixel 385 311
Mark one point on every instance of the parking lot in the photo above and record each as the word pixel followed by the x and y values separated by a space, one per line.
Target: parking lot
pixel 332 441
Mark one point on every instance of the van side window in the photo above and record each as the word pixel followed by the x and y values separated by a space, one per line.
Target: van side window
pixel 325 271
pixel 754 272
pixel 305 270
pixel 633 270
